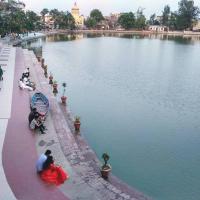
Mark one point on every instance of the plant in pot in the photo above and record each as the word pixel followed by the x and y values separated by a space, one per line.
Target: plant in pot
pixel 55 87
pixel 77 123
pixel 51 79
pixel 106 168
pixel 63 97
pixel 45 71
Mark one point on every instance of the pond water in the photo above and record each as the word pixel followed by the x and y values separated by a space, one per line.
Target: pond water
pixel 139 101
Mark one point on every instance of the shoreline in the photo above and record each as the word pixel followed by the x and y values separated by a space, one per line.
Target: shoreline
pixel 126 32
pixel 43 34
pixel 82 157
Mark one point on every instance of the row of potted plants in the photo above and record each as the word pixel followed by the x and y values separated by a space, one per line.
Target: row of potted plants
pixel 55 88
pixel 106 168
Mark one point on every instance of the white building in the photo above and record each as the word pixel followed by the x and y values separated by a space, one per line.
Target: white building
pixel 158 28
pixel 197 26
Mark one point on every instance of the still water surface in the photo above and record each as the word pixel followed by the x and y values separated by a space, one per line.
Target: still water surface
pixel 139 100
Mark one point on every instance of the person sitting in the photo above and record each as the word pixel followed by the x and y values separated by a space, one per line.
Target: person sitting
pixel 22 85
pixel 41 160
pixel 52 173
pixel 32 115
pixel 26 72
pixel 36 123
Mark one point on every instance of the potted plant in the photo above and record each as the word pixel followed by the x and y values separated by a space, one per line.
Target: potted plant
pixel 45 71
pixel 106 168
pixel 51 79
pixel 63 97
pixel 55 87
pixel 77 123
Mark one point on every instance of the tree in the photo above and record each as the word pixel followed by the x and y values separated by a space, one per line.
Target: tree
pixel 187 14
pixel 173 21
pixel 97 15
pixel 43 13
pixel 70 21
pixel 13 19
pixel 153 20
pixel 90 22
pixel 140 19
pixel 17 21
pixel 32 21
pixel 166 15
pixel 127 20
pixel 62 20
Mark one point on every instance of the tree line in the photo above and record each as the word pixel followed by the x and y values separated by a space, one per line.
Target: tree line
pixel 13 19
pixel 183 19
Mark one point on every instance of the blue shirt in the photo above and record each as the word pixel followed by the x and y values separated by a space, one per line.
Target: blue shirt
pixel 40 162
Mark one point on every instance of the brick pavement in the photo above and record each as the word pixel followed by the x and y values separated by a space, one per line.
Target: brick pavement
pixel 19 151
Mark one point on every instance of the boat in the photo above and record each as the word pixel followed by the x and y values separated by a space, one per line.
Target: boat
pixel 40 102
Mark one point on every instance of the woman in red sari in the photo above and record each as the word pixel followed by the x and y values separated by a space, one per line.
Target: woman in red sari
pixel 53 174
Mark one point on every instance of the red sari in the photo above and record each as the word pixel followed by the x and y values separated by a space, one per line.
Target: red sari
pixel 54 175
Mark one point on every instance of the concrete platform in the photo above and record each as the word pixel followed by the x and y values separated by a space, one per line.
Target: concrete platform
pixel 8 65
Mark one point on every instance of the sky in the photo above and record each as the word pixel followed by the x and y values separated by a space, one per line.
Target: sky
pixel 105 6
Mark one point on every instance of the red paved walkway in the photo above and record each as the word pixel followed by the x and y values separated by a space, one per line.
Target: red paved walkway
pixel 19 150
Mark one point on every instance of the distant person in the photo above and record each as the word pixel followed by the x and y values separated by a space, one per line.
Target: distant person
pixel 52 173
pixel 22 85
pixel 1 73
pixel 32 115
pixel 26 72
pixel 37 123
pixel 41 160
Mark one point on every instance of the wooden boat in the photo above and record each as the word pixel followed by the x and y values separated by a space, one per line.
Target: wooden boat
pixel 40 102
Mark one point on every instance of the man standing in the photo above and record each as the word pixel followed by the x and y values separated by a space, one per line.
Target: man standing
pixel 41 160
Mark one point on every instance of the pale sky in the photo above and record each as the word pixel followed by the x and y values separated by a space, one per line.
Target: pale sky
pixel 105 6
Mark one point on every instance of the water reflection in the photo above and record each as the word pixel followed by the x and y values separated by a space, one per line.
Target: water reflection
pixel 36 45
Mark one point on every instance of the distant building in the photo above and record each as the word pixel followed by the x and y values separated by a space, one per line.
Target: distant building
pixel 159 19
pixel 112 20
pixel 196 27
pixel 103 25
pixel 49 22
pixel 158 28
pixel 79 19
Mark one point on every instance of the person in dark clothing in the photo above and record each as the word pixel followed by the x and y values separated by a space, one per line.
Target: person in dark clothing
pixel 37 123
pixel 1 73
pixel 32 115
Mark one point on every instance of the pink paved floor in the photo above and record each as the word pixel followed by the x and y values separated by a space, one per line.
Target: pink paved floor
pixel 19 150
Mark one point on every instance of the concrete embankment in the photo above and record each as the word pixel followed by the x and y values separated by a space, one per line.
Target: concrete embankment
pixel 73 152
pixel 32 37
pixel 21 147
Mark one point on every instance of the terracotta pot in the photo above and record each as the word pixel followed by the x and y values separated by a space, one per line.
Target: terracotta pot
pixel 63 99
pixel 105 171
pixel 55 85
pixel 50 79
pixel 77 125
